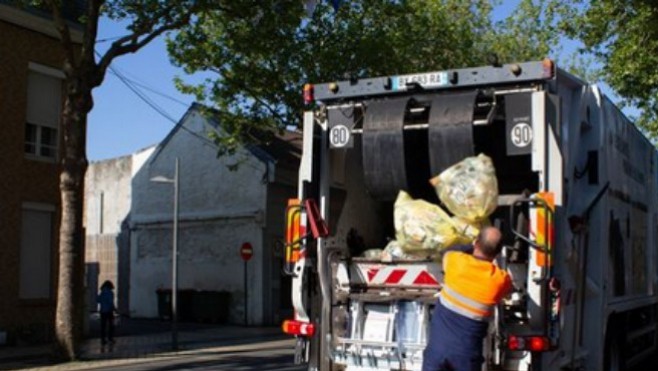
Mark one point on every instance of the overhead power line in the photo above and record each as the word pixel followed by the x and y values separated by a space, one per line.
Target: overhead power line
pixel 152 90
pixel 134 87
pixel 142 96
pixel 131 85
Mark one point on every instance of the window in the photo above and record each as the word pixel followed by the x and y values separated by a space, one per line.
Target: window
pixel 36 251
pixel 44 102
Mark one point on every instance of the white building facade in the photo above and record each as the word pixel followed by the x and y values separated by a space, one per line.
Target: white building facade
pixel 219 210
pixel 108 198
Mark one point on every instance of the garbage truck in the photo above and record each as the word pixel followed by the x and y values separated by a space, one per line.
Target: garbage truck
pixel 577 204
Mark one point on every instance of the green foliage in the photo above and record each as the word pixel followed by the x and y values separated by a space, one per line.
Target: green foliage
pixel 529 33
pixel 142 14
pixel 261 59
pixel 582 66
pixel 623 36
pixel 148 14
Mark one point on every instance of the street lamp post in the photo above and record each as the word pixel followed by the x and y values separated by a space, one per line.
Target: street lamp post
pixel 174 254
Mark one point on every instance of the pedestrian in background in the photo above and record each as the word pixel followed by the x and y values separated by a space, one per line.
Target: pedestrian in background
pixel 105 301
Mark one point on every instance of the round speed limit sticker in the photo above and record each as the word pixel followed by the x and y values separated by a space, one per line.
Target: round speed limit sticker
pixel 339 136
pixel 521 134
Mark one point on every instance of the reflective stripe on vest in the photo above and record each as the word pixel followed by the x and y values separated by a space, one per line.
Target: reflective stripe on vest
pixel 465 306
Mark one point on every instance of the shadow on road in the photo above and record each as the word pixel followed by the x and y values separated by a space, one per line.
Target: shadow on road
pixel 149 342
pixel 281 362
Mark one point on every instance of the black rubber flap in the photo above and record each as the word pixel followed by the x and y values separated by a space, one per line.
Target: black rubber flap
pixel 450 132
pixel 383 148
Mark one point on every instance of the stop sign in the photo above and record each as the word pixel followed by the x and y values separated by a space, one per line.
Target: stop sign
pixel 246 251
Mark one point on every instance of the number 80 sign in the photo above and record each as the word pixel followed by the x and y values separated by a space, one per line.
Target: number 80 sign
pixel 340 137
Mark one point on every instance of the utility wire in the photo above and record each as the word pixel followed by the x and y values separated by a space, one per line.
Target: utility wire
pixel 139 82
pixel 131 85
pixel 153 105
pixel 152 90
pixel 142 96
pixel 157 108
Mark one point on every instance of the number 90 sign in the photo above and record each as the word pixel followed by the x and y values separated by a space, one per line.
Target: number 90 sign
pixel 340 136
pixel 521 134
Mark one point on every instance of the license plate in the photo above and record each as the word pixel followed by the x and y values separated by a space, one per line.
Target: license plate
pixel 427 80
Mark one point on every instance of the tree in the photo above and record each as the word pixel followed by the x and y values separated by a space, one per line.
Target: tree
pixel 262 51
pixel 261 61
pixel 83 72
pixel 623 37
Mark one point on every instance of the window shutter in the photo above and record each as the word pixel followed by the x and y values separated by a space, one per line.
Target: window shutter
pixel 35 256
pixel 44 99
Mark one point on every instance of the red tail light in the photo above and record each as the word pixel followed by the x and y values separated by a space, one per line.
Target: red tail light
pixel 531 343
pixel 308 94
pixel 515 343
pixel 292 327
pixel 539 344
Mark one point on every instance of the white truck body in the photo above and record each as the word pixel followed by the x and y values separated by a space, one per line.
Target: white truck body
pixel 578 206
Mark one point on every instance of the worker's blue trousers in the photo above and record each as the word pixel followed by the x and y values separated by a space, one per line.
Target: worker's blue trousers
pixel 438 361
pixel 455 342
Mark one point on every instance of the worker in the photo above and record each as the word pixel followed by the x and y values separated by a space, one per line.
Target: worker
pixel 473 285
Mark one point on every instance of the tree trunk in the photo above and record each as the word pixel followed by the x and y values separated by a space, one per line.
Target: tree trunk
pixel 83 74
pixel 70 292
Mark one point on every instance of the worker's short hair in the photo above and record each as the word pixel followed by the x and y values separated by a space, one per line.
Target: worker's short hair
pixel 489 241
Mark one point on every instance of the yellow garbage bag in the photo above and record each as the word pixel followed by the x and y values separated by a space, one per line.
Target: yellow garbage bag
pixel 467 230
pixel 423 227
pixel 394 251
pixel 469 189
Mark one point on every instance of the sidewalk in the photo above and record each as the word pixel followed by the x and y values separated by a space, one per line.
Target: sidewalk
pixel 141 339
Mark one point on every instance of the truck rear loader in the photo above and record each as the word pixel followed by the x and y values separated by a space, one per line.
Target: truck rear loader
pixel 577 204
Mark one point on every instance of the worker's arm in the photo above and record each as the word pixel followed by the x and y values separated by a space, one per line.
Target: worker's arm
pixel 507 288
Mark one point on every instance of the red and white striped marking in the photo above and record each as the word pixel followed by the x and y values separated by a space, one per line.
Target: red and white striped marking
pixel 396 275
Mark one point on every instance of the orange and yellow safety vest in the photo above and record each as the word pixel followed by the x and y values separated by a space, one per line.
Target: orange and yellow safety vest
pixel 472 287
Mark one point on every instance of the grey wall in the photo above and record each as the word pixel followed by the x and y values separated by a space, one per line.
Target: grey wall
pixel 107 211
pixel 219 210
pixel 129 224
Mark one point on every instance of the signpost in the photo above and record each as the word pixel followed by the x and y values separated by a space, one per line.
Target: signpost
pixel 246 252
pixel 174 252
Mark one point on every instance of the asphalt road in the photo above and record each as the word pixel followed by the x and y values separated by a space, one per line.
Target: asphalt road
pixel 266 356
pixel 205 347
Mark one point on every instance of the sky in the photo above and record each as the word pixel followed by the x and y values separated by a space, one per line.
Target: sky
pixel 120 122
